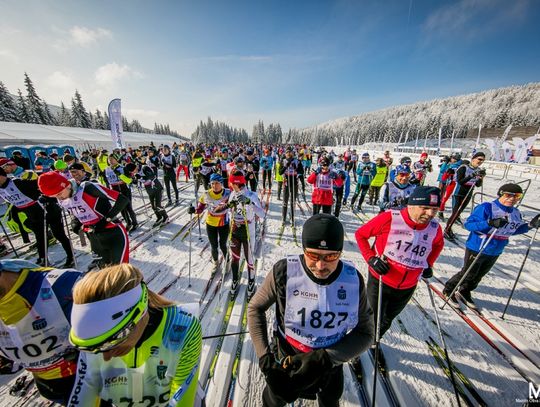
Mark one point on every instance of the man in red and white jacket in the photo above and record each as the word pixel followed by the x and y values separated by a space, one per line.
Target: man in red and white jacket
pixel 407 244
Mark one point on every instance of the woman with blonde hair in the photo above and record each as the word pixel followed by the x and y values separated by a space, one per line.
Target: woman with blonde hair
pixel 137 347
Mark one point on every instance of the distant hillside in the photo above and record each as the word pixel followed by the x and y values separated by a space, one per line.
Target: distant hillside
pixel 496 108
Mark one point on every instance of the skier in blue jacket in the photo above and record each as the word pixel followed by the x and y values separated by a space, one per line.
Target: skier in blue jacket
pixel 500 217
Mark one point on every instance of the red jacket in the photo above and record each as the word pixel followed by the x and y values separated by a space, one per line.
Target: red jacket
pixel 400 276
pixel 320 196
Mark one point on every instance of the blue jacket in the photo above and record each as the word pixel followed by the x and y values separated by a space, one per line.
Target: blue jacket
pixel 267 162
pixel 363 179
pixel 477 224
pixel 346 184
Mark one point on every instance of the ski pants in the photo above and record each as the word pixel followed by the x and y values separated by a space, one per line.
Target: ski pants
pixel 338 194
pixel 239 239
pixel 185 169
pixel 36 221
pixel 374 195
pixel 253 181
pixel 460 203
pixel 393 301
pixel 168 179
pixel 111 244
pixel 127 213
pixel 279 189
pixel 225 176
pixel 14 214
pixel 328 390
pixel 479 270
pixel 303 183
pixel 218 235
pixel 448 191
pixel 57 390
pixel 267 175
pixel 325 209
pixel 290 192
pixel 155 195
pixel 362 190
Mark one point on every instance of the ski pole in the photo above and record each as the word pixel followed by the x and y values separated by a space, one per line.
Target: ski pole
pixel 143 201
pixel 9 240
pixel 223 335
pixel 250 251
pixel 199 226
pixel 519 272
pixel 441 336
pixel 69 237
pixel 191 210
pixel 469 269
pixel 228 256
pixel 458 212
pixel 377 340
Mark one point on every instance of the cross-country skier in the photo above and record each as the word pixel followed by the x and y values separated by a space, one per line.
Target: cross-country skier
pixel 168 163
pixel 366 171
pixel 23 193
pixel 322 319
pixel 120 182
pixel 90 206
pixel 80 173
pixel 422 167
pixel 394 194
pixel 245 205
pixel 252 168
pixel 342 188
pixel 448 179
pixel 407 244
pixel 183 163
pixel 223 161
pixel 279 177
pixel 35 308
pixel 322 180
pixel 467 177
pixel 291 169
pixel 378 181
pixel 500 217
pixel 217 218
pixel 267 163
pixel 137 347
pixel 147 176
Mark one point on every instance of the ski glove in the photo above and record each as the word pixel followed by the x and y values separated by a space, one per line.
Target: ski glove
pixel 498 222
pixel 277 378
pixel 379 265
pixel 244 200
pixel 535 222
pixel 427 273
pixel 191 209
pixel 308 368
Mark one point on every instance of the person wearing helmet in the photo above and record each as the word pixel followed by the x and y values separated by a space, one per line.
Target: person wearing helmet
pixel 90 206
pixel 421 168
pixel 120 181
pixel 501 218
pixel 267 163
pixel 168 163
pixel 23 193
pixel 395 194
pixel 245 206
pixel 35 313
pixel 217 218
pixel 448 181
pixel 366 171
pixel 135 346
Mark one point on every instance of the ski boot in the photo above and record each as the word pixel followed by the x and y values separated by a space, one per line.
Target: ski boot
pixel 234 288
pixel 42 262
pixel 453 301
pixel 250 289
pixel 466 298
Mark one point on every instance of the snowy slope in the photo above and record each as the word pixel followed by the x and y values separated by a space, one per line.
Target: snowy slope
pixel 412 368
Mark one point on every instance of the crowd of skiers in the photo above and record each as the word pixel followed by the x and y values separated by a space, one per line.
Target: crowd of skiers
pixel 104 338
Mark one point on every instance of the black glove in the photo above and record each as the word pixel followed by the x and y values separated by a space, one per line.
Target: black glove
pixel 191 209
pixel 232 204
pixel 76 226
pixel 481 172
pixel 278 378
pixel 498 222
pixel 535 222
pixel 379 265
pixel 244 200
pixel 306 369
pixel 427 273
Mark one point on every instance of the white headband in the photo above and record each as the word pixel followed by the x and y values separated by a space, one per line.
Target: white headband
pixel 96 318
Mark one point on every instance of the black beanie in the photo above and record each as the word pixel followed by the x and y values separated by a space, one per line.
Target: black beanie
pixel 512 188
pixel 478 154
pixel 323 231
pixel 425 196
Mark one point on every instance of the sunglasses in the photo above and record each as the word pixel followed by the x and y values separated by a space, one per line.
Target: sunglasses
pixel 516 195
pixel 323 257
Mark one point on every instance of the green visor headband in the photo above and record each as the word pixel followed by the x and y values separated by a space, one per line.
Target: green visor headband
pixel 101 325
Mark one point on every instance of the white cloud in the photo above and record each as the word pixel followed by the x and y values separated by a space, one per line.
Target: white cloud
pixel 85 36
pixel 109 74
pixel 60 80
pixel 9 55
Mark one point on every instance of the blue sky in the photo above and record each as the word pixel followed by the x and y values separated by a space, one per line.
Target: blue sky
pixel 294 62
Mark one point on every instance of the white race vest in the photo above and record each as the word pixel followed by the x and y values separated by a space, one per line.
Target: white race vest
pixel 324 181
pixel 468 172
pixel 408 246
pixel 397 196
pixel 514 221
pixel 14 196
pixel 112 177
pixel 78 207
pixel 318 316
pixel 40 339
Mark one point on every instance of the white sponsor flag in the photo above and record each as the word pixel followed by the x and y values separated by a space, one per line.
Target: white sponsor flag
pixel 504 136
pixel 507 150
pixel 493 149
pixel 476 145
pixel 416 142
pixel 439 142
pixel 399 140
pixel 425 143
pixel 406 137
pixel 529 141
pixel 520 156
pixel 115 118
pixel 452 141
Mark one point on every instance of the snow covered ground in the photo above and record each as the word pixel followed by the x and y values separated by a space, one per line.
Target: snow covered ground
pixel 500 378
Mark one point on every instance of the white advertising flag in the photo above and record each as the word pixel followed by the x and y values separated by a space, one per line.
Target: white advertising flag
pixel 439 142
pixel 115 118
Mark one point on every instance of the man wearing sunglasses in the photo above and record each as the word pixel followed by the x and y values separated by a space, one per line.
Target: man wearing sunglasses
pixel 407 244
pixel 35 308
pixel 395 193
pixel 500 217
pixel 323 319
pixel 467 177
